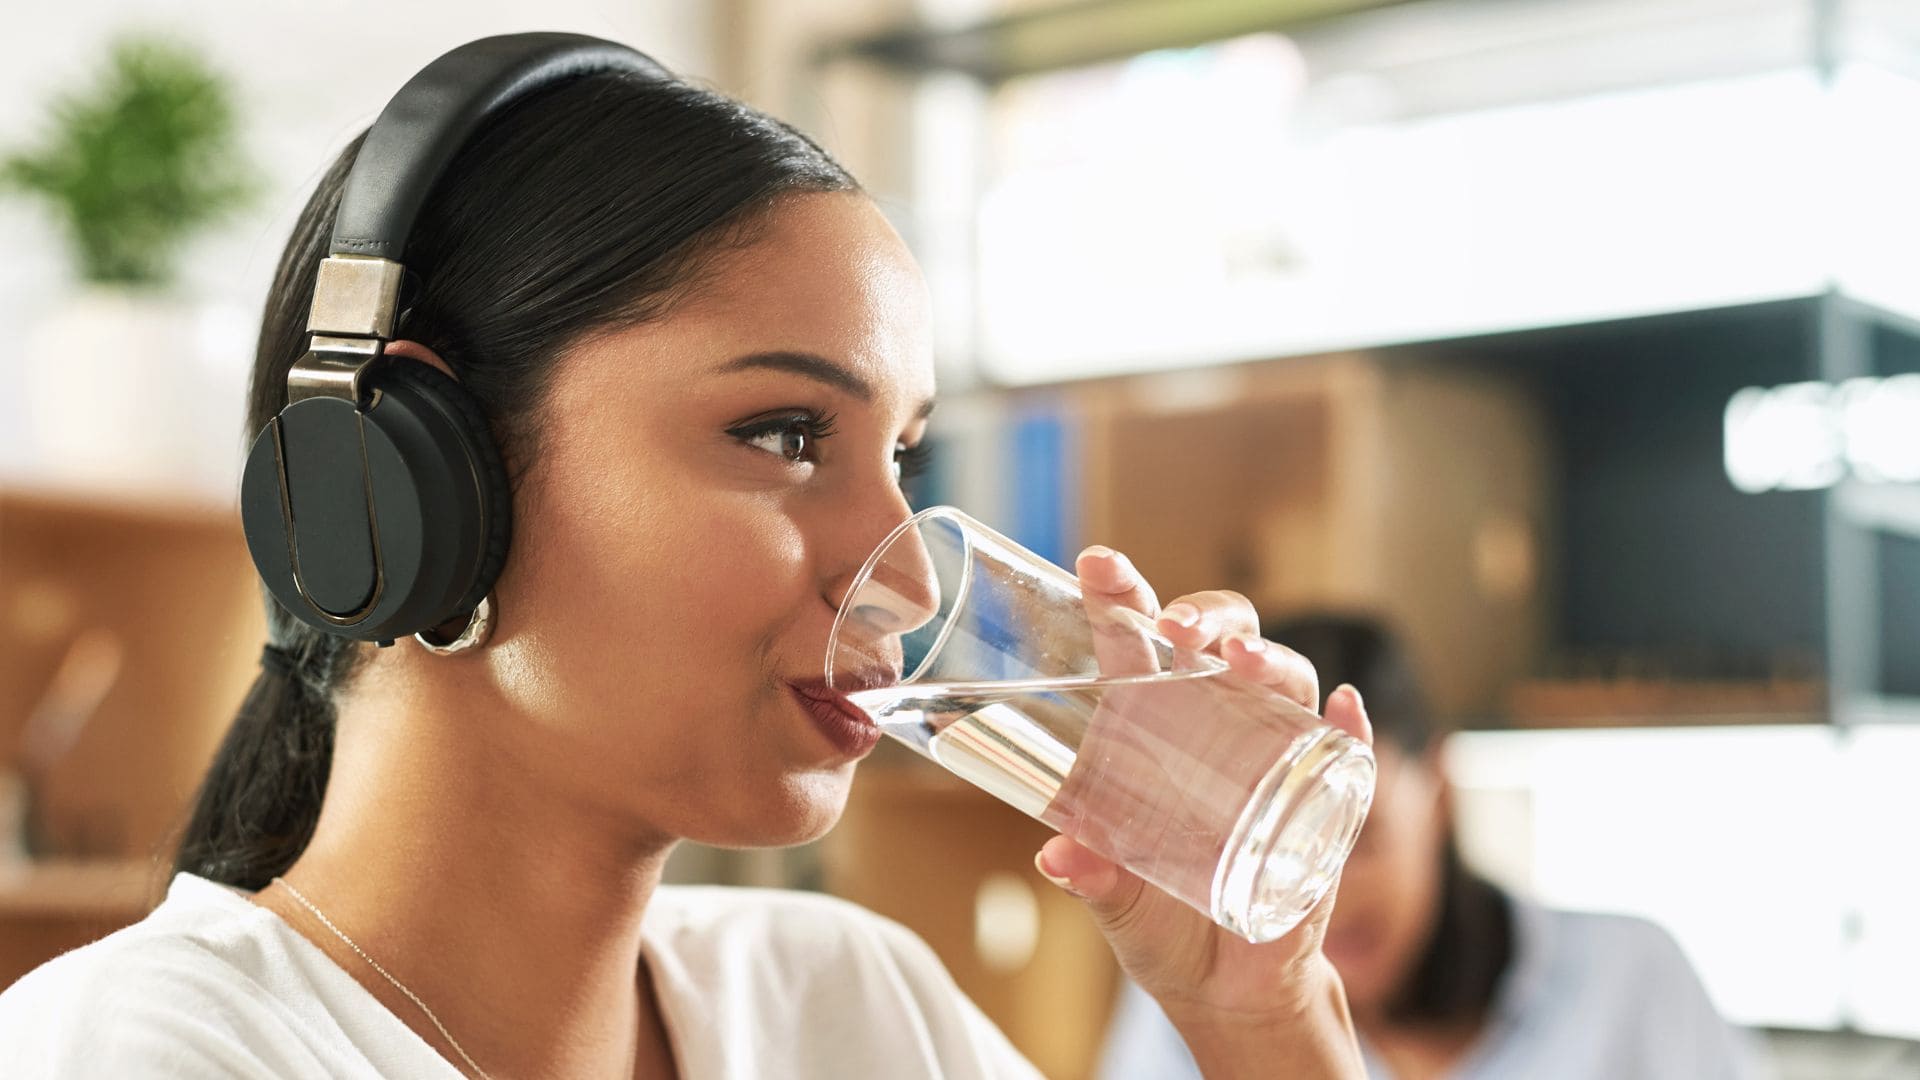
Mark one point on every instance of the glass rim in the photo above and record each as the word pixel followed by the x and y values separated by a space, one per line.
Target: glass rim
pixel 865 574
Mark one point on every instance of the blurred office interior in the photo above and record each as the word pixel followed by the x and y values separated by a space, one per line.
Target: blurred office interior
pixel 1579 338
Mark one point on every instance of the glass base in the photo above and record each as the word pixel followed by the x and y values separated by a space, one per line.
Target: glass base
pixel 1288 846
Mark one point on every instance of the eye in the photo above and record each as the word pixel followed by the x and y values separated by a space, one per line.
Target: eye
pixel 911 461
pixel 791 435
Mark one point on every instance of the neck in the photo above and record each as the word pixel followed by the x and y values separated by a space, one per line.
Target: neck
pixel 511 910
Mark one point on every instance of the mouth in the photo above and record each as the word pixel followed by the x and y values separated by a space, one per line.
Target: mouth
pixel 851 731
pixel 1349 945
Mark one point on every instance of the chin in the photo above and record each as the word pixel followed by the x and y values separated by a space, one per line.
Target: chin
pixel 815 803
pixel 797 809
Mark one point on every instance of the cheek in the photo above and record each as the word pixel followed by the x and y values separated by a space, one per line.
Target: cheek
pixel 654 593
pixel 734 565
pixel 1389 890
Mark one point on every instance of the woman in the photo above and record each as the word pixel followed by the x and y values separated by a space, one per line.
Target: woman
pixel 1448 976
pixel 705 356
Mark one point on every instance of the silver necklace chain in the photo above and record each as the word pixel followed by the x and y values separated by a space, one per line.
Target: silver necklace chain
pixel 397 984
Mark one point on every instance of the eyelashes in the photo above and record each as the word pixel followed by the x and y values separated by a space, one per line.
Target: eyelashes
pixel 795 435
pixel 792 434
pixel 913 460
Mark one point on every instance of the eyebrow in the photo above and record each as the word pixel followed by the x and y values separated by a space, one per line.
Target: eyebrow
pixel 815 367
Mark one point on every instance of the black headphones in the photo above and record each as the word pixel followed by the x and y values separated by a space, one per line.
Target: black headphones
pixel 375 504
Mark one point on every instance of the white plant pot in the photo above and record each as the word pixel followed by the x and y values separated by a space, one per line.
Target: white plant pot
pixel 115 386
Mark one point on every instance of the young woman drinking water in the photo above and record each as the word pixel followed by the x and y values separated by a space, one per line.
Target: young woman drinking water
pixel 704 357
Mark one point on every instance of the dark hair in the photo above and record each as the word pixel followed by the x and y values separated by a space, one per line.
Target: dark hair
pixel 590 205
pixel 1471 944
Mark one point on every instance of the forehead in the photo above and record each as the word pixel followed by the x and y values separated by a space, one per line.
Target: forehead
pixel 824 274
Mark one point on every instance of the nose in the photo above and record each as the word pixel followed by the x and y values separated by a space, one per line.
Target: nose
pixel 899 595
pixel 903 592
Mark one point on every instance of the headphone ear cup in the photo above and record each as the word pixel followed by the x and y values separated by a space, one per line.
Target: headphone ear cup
pixel 481 458
pixel 398 516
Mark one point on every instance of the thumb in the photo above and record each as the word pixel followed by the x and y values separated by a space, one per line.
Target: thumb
pixel 1346 711
pixel 1110 891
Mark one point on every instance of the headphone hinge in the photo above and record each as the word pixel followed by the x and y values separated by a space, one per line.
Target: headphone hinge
pixel 356 294
pixel 332 368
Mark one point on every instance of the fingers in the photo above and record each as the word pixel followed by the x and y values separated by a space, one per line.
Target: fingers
pixel 1197 620
pixel 1346 711
pixel 1119 605
pixel 1226 623
pixel 1218 620
pixel 1112 575
pixel 1274 666
pixel 1110 890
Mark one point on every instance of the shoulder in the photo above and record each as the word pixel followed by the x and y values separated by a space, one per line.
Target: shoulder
pixel 1629 949
pixel 1624 981
pixel 171 995
pixel 178 946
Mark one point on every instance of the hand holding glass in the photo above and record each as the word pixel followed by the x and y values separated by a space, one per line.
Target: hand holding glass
pixel 1070 707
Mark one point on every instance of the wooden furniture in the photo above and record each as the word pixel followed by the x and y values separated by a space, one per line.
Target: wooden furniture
pixel 52 905
pixel 129 633
pixel 1344 481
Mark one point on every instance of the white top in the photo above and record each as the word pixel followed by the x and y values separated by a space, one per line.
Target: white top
pixel 1587 997
pixel 752 983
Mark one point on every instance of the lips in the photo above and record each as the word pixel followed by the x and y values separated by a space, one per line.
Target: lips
pixel 849 729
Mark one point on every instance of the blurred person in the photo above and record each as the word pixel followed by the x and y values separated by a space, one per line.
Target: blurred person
pixel 1448 975
pixel 705 357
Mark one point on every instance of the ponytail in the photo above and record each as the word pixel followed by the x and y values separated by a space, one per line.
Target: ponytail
pixel 261 798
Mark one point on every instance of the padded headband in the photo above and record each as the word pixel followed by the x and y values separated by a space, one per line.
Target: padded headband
pixel 428 121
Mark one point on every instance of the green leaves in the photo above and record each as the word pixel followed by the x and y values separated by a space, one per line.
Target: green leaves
pixel 138 162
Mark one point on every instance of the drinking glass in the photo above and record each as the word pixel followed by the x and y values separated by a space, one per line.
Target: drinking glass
pixel 1069 706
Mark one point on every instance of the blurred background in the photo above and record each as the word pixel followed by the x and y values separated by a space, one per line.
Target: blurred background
pixel 1578 339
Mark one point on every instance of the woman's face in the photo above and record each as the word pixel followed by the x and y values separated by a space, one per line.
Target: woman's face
pixel 1390 889
pixel 706 486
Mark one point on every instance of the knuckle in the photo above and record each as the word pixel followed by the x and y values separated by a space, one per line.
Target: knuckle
pixel 1234 599
pixel 1233 609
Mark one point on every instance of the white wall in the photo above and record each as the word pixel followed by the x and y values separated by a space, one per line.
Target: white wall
pixel 309 76
pixel 1780 857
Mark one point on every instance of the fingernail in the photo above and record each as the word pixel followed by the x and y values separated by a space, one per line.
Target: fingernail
pixel 1355 691
pixel 1181 614
pixel 1099 551
pixel 1253 643
pixel 1040 864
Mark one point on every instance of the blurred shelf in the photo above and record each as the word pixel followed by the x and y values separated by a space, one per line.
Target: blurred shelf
pixel 1573 707
pixel 80 888
pixel 132 628
pixel 17 495
pixel 1648 702
pixel 1049 38
pixel 51 906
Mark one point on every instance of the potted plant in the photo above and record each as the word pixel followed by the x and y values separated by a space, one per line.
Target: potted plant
pixel 132 167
